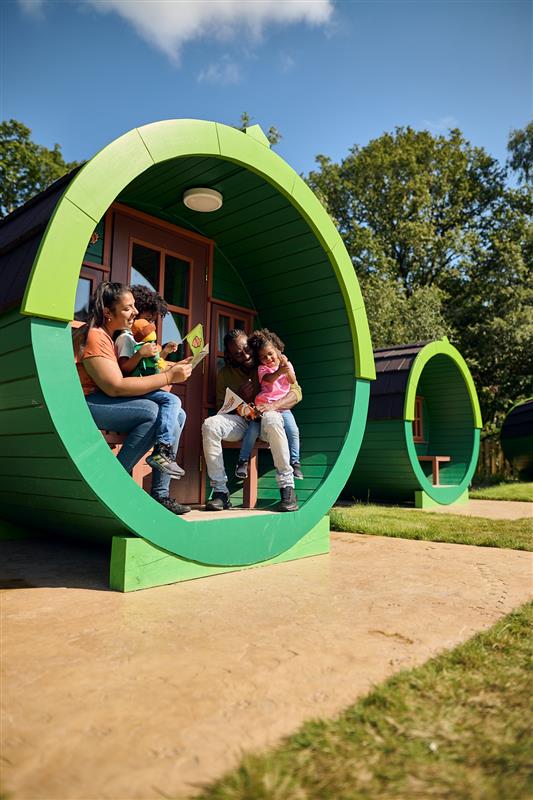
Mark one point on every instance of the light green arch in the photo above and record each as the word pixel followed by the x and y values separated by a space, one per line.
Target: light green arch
pixel 49 302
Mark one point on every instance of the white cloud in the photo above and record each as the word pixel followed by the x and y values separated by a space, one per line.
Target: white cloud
pixel 225 72
pixel 170 24
pixel 440 125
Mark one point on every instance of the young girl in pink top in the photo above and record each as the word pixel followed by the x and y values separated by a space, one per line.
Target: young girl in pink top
pixel 276 376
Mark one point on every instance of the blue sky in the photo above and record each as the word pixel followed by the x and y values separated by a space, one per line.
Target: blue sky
pixel 327 73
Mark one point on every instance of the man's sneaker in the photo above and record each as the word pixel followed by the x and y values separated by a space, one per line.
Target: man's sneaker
pixel 219 502
pixel 162 459
pixel 241 470
pixel 297 470
pixel 289 501
pixel 171 505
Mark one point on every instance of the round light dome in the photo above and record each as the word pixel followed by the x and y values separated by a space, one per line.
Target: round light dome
pixel 202 199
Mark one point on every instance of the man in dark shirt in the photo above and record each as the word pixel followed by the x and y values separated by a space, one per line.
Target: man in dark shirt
pixel 240 375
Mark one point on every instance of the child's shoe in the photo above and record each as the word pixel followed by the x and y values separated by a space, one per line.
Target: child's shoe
pixel 163 460
pixel 241 470
pixel 297 470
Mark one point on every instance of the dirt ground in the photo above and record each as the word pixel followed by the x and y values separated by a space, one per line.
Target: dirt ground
pixel 150 694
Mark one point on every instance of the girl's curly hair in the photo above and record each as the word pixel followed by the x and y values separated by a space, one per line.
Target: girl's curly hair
pixel 149 301
pixel 260 339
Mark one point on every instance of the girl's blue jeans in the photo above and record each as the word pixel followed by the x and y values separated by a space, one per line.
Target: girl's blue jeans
pixel 291 431
pixel 147 419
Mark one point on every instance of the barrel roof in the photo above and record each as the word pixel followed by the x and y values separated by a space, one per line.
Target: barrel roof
pixel 387 392
pixel 20 236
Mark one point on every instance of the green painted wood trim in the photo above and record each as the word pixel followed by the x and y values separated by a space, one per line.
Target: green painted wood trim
pixel 443 495
pixel 246 541
pixel 51 288
pixel 422 500
pixel 137 564
pixel 440 347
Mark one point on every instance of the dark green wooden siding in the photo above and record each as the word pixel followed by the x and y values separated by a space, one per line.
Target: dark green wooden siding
pixel 36 473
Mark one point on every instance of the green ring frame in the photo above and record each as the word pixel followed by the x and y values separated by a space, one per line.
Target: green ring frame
pixel 49 300
pixel 448 494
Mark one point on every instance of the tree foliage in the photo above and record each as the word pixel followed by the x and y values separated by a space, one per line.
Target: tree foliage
pixel 520 148
pixel 440 243
pixel 273 135
pixel 26 168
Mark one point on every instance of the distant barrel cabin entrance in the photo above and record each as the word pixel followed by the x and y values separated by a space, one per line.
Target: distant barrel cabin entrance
pixel 178 264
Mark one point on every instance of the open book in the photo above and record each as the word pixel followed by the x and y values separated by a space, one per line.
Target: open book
pixel 200 355
pixel 232 402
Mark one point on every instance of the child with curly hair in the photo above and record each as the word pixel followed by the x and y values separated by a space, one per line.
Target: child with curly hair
pixel 276 377
pixel 141 361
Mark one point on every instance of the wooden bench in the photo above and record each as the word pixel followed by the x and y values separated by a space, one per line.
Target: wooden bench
pixel 249 489
pixel 115 441
pixel 436 461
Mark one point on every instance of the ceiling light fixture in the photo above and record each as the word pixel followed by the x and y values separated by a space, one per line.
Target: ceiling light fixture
pixel 203 200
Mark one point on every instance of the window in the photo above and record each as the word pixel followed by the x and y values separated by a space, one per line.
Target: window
pixel 224 319
pixel 166 273
pixel 418 422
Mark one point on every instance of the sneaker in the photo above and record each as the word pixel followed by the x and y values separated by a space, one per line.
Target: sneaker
pixel 219 502
pixel 289 501
pixel 171 505
pixel 241 470
pixel 297 470
pixel 163 460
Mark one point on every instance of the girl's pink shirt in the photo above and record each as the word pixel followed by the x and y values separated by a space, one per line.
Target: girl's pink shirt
pixel 270 392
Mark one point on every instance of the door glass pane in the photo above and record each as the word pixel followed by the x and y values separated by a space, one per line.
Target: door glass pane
pixel 174 327
pixel 81 304
pixel 145 267
pixel 223 328
pixel 176 281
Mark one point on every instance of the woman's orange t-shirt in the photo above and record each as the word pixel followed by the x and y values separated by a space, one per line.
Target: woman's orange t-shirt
pixel 99 343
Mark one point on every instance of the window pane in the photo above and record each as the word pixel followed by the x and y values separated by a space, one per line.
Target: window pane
pixel 174 327
pixel 145 267
pixel 176 282
pixel 81 304
pixel 241 325
pixel 223 328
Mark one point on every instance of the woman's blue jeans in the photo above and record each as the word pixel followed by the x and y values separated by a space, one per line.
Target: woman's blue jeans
pixel 147 419
pixel 291 431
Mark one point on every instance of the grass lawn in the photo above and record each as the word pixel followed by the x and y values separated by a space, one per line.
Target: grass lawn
pixel 456 728
pixel 406 524
pixel 504 491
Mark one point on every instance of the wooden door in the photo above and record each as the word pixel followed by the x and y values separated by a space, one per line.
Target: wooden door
pixel 177 265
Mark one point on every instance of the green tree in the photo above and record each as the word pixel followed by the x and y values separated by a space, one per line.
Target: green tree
pixel 440 243
pixel 26 168
pixel 520 148
pixel 273 135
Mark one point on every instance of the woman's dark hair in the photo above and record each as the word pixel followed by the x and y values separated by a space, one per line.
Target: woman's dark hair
pixel 106 295
pixel 149 301
pixel 260 339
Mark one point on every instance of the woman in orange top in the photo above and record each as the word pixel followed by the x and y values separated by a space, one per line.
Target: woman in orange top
pixel 118 403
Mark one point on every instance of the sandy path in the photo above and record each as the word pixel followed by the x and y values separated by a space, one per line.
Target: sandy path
pixel 148 694
pixel 493 509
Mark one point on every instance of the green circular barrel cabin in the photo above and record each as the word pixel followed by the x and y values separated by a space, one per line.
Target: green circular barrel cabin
pixel 269 256
pixel 516 437
pixel 422 436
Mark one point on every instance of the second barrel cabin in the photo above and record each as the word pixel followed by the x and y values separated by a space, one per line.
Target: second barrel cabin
pixel 421 442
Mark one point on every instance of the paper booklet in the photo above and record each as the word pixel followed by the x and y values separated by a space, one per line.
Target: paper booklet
pixel 195 338
pixel 232 402
pixel 200 355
